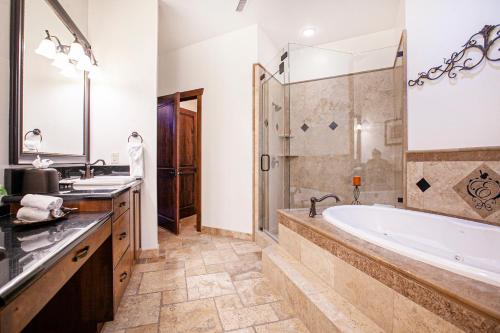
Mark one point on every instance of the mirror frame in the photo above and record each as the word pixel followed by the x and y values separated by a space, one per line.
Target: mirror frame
pixel 16 154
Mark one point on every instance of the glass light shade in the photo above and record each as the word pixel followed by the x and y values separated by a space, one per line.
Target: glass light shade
pixel 95 72
pixel 61 60
pixel 46 48
pixel 84 63
pixel 76 51
pixel 69 71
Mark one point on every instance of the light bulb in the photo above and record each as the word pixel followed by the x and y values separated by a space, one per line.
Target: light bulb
pixel 76 51
pixel 84 63
pixel 46 48
pixel 95 72
pixel 61 60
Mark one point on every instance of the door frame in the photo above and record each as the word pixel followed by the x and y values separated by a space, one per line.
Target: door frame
pixel 196 94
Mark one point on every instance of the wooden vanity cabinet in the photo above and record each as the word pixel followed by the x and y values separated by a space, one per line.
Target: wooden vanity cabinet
pixel 126 226
pixel 126 233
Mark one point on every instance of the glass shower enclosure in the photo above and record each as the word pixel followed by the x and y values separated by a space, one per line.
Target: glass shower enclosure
pixel 324 117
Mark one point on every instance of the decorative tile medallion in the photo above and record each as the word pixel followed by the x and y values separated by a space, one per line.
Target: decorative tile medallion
pixel 304 127
pixel 333 125
pixel 423 185
pixel 481 190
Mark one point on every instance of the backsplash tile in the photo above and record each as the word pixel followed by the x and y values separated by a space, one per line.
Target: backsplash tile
pixel 481 190
pixel 449 176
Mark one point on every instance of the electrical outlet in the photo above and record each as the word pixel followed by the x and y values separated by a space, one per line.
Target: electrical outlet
pixel 115 158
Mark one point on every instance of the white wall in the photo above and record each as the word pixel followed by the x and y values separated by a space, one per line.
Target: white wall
pixel 464 112
pixel 362 53
pixel 4 84
pixel 123 34
pixel 223 66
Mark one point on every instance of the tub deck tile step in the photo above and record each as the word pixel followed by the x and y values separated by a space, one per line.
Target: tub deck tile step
pixel 318 306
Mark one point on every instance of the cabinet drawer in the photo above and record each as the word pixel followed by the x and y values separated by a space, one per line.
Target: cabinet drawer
pixel 17 314
pixel 121 237
pixel 121 277
pixel 120 205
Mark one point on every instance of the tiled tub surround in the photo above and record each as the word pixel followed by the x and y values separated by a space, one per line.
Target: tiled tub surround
pixel 397 293
pixel 462 183
pixel 329 149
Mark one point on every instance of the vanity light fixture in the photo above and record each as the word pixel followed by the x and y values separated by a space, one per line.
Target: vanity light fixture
pixel 76 51
pixel 84 63
pixel 68 57
pixel 61 60
pixel 46 48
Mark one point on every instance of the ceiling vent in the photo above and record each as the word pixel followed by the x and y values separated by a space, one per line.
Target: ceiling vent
pixel 241 5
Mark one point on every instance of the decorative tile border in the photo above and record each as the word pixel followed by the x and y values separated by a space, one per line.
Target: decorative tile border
pixel 466 154
pixel 454 311
pixel 225 233
pixel 461 183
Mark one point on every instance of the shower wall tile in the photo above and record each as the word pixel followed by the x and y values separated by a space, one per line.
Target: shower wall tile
pixel 449 180
pixel 327 159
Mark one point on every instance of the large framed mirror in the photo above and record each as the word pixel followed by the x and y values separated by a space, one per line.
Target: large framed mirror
pixel 49 101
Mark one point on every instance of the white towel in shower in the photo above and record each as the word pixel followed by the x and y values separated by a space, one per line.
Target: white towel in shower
pixel 136 159
pixel 43 202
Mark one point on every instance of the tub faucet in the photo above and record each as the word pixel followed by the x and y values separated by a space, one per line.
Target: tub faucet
pixel 314 200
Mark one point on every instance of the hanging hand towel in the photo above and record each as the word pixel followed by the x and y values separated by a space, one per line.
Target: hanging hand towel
pixel 136 159
pixel 43 202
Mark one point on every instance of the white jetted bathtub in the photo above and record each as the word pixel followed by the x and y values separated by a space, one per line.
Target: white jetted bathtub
pixel 467 248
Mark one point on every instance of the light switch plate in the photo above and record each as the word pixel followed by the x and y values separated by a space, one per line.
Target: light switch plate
pixel 115 158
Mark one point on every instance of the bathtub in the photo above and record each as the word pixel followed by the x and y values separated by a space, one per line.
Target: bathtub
pixel 464 247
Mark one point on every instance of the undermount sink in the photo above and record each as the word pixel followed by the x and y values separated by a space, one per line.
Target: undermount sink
pixel 105 181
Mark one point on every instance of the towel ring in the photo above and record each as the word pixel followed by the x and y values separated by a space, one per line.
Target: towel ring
pixel 135 135
pixel 36 132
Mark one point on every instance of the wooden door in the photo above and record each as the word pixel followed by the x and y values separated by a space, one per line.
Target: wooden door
pixel 187 139
pixel 167 162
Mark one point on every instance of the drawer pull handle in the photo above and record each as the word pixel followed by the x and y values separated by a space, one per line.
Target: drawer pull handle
pixel 81 253
pixel 122 236
pixel 122 204
pixel 123 276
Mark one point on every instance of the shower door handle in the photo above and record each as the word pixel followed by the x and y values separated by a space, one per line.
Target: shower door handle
pixel 262 162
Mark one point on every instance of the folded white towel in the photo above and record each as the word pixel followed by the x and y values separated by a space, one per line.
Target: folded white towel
pixel 136 159
pixel 30 214
pixel 43 202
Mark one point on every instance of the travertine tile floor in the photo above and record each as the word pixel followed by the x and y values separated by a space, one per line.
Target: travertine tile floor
pixel 202 283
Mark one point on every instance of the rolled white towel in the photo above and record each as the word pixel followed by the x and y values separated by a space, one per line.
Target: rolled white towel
pixel 30 214
pixel 43 202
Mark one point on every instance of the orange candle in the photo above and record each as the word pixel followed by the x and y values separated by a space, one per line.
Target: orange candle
pixel 356 181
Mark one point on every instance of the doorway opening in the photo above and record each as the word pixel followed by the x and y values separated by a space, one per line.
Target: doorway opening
pixel 179 159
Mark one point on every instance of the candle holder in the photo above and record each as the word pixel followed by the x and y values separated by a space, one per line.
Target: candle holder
pixel 356 193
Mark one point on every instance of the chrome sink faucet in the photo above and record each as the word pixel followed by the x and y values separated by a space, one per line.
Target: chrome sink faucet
pixel 314 200
pixel 88 172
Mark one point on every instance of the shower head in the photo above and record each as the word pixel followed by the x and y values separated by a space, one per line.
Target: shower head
pixel 241 5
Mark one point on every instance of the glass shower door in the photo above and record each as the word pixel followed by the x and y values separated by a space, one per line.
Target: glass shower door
pixel 274 141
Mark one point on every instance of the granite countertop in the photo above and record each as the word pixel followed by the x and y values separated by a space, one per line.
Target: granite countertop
pixel 30 251
pixel 81 194
pixel 469 291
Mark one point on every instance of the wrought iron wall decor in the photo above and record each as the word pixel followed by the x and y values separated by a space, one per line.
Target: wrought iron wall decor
pixel 486 42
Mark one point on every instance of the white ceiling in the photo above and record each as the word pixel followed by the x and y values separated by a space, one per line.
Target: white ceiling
pixel 184 22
